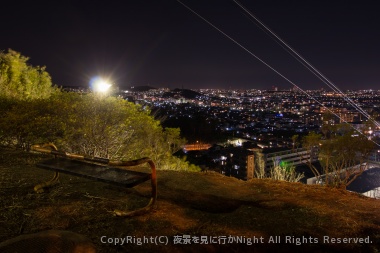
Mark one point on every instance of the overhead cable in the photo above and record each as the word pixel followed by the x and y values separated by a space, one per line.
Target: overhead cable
pixel 306 64
pixel 266 64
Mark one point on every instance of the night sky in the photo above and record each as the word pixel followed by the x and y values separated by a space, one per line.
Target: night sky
pixel 162 44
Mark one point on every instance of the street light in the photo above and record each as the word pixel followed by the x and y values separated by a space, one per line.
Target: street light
pixel 99 85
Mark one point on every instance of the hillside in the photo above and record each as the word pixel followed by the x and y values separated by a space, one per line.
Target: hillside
pixel 189 94
pixel 194 204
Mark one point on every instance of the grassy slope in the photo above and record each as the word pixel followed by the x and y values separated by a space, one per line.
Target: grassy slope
pixel 196 204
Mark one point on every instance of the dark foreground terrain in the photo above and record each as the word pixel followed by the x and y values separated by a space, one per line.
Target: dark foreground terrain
pixel 192 209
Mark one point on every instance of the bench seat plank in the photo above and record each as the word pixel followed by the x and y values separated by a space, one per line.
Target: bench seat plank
pixel 112 175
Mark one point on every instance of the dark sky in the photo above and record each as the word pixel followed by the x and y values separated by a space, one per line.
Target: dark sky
pixel 162 44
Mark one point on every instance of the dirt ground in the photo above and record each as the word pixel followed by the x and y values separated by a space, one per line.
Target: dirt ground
pixel 233 215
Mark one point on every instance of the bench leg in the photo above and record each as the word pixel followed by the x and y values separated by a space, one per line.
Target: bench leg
pixel 152 198
pixel 136 212
pixel 40 187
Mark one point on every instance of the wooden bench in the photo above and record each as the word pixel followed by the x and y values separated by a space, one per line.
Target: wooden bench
pixel 99 169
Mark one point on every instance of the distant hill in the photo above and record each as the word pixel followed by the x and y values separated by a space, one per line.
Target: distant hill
pixel 140 88
pixel 189 94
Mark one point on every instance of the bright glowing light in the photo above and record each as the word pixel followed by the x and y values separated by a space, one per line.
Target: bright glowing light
pixel 99 85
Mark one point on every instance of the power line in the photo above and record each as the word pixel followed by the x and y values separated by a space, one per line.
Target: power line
pixel 266 64
pixel 306 64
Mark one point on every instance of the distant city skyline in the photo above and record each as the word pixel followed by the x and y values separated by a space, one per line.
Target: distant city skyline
pixel 163 44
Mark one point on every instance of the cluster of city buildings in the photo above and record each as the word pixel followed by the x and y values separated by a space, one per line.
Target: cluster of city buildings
pixel 284 105
pixel 265 126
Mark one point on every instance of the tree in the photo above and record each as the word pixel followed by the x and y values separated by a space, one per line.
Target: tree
pixel 295 141
pixel 29 122
pixel 26 124
pixel 328 126
pixel 343 157
pixel 114 128
pixel 94 125
pixel 19 80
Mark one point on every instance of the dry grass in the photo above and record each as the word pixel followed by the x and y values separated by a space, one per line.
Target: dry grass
pixel 196 204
